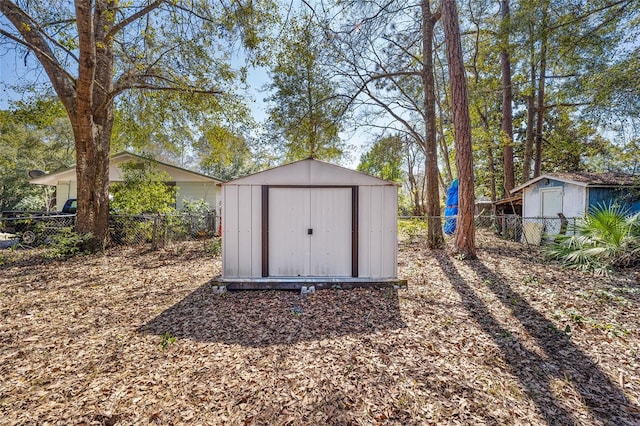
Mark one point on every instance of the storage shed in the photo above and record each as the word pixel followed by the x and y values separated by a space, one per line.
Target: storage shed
pixel 572 194
pixel 308 223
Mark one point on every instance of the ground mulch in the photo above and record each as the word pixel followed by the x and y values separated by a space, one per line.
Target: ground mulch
pixel 138 337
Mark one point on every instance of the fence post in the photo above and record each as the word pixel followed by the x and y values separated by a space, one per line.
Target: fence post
pixel 154 235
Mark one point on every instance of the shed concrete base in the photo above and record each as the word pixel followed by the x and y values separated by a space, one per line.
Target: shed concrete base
pixel 320 283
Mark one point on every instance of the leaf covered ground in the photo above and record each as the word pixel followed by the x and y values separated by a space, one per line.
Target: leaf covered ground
pixel 138 337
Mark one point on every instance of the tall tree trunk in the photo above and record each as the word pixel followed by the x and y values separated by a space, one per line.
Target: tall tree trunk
pixel 507 98
pixel 442 141
pixel 531 111
pixel 92 119
pixel 435 237
pixel 537 170
pixel 464 243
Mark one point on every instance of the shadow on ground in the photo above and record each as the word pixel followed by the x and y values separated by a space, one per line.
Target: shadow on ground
pixel 264 318
pixel 561 361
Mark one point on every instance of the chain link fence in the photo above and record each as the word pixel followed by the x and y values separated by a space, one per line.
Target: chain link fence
pixel 160 230
pixel 528 230
pixel 34 229
pixel 532 230
pixel 156 230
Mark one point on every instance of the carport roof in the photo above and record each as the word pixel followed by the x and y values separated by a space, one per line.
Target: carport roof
pixel 609 179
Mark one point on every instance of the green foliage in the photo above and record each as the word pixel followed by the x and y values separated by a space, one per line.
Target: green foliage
pixel 571 143
pixel 34 135
pixel 607 238
pixel 65 243
pixel 214 247
pixel 530 280
pixel 195 218
pixel 196 207
pixel 223 153
pixel 143 190
pixel 32 202
pixel 305 113
pixel 412 230
pixel 399 159
pixel 580 320
pixel 167 340
pixel 384 159
pixel 132 229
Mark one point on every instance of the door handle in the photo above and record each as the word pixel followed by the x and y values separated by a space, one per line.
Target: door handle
pixel 309 231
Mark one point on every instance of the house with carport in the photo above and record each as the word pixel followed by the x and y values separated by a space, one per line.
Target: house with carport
pixel 190 185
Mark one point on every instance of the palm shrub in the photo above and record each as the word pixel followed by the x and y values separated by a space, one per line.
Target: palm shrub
pixel 608 237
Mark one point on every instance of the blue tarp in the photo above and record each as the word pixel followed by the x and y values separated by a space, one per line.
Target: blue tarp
pixel 451 208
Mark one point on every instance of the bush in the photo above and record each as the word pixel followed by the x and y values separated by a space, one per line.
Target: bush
pixel 413 229
pixel 66 243
pixel 607 238
pixel 214 247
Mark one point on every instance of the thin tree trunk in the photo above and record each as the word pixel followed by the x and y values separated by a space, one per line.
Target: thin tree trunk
pixel 435 237
pixel 537 170
pixel 464 242
pixel 531 111
pixel 413 189
pixel 491 164
pixel 507 98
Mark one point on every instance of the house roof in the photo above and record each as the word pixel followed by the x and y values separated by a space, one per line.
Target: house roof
pixel 610 179
pixel 309 172
pixel 514 199
pixel 177 173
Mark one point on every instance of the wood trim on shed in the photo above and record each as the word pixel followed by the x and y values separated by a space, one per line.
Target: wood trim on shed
pixel 354 231
pixel 265 231
pixel 354 223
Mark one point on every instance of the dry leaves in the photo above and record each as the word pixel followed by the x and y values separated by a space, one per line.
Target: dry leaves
pixel 506 339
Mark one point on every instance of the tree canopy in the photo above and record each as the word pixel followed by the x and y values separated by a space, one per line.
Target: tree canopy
pixel 93 51
pixel 305 113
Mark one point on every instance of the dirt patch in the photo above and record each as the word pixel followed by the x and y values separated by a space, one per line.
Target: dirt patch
pixel 137 337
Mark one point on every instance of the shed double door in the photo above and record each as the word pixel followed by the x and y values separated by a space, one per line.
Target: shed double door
pixel 310 232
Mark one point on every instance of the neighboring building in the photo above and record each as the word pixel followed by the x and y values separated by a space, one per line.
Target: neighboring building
pixel 572 194
pixel 309 223
pixel 191 185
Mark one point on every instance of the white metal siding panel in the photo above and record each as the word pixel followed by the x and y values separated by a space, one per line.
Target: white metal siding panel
pixel 256 231
pixel 376 231
pixel 390 240
pixel 378 237
pixel 574 200
pixel 364 231
pixel 289 244
pixel 530 202
pixel 244 231
pixel 331 238
pixel 230 232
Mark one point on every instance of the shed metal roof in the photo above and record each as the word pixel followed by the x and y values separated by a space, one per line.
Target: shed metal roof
pixel 610 179
pixel 310 172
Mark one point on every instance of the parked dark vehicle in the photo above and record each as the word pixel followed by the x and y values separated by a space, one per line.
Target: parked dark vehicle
pixel 31 226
